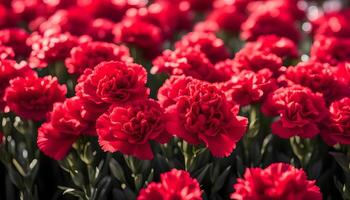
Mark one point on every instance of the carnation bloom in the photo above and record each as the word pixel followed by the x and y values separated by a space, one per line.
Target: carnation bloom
pixel 333 24
pixel 256 60
pixel 336 127
pixel 249 87
pixel 277 181
pixel 228 17
pixel 16 39
pixel 190 62
pixel 300 111
pixel 112 82
pixel 175 184
pixel 111 9
pixel 88 55
pixel 64 126
pixel 213 47
pixel 101 30
pixel 168 16
pixel 330 50
pixel 73 20
pixel 202 114
pixel 281 46
pixel 143 35
pixel 9 69
pixel 266 21
pixel 131 127
pixel 32 97
pixel 318 77
pixel 50 48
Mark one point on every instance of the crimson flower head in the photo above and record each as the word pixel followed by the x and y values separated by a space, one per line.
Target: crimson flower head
pixel 9 69
pixel 16 39
pixel 202 114
pixel 300 111
pixel 89 54
pixel 101 30
pixel 319 77
pixel 50 48
pixel 333 24
pixel 143 35
pixel 255 60
pixel 281 46
pixel 213 47
pixel 330 50
pixel 32 97
pixel 336 127
pixel 227 15
pixel 64 126
pixel 111 9
pixel 276 182
pixel 112 82
pixel 131 127
pixel 249 87
pixel 267 21
pixel 190 62
pixel 175 184
pixel 73 20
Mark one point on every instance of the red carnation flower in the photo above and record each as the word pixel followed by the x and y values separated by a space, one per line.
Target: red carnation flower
pixel 269 21
pixel 73 20
pixel 102 30
pixel 142 34
pixel 50 48
pixel 171 89
pixel 112 82
pixel 202 114
pixel 249 87
pixel 189 62
pixel 64 127
pixel 277 181
pixel 319 78
pixel 336 128
pixel 168 16
pixel 111 9
pixel 9 69
pixel 228 16
pixel 281 46
pixel 175 184
pixel 333 24
pixel 255 60
pixel 16 39
pixel 32 97
pixel 213 47
pixel 129 128
pixel 330 50
pixel 88 55
pixel 300 111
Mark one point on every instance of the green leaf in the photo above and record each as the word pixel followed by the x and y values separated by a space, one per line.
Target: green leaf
pixel 117 170
pixel 342 160
pixel 219 182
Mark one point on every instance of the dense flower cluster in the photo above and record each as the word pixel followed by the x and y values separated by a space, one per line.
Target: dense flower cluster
pixel 141 89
